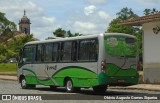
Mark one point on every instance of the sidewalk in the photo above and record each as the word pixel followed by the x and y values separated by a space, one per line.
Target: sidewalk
pixel 152 87
pixel 8 77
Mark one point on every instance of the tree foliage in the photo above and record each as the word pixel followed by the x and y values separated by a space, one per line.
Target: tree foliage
pixel 115 25
pixel 126 13
pixel 12 47
pixel 150 11
pixel 63 33
pixel 9 43
pixel 6 26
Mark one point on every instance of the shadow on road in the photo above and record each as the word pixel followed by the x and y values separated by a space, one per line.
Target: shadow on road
pixel 109 92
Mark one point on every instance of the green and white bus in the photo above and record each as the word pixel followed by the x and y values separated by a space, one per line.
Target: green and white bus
pixel 80 62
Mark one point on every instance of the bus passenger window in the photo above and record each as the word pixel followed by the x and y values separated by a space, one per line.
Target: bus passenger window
pixel 48 52
pixel 55 56
pixel 39 56
pixel 93 50
pixel 66 51
pixel 88 50
pixel 74 51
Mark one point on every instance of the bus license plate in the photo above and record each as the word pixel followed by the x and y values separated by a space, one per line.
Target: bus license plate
pixel 120 81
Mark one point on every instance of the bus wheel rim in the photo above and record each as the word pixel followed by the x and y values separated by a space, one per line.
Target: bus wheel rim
pixel 23 83
pixel 69 85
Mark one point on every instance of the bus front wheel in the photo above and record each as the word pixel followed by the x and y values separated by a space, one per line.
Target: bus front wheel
pixel 24 84
pixel 100 89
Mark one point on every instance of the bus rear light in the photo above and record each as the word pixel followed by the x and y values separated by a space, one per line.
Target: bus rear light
pixel 103 66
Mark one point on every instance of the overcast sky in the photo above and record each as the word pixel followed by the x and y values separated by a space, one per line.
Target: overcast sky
pixel 83 16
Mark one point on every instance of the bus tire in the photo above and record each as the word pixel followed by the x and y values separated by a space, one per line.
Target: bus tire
pixel 77 89
pixel 53 87
pixel 69 86
pixel 100 89
pixel 31 86
pixel 24 84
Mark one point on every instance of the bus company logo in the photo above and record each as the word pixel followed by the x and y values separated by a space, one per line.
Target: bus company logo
pixel 51 67
pixel 6 97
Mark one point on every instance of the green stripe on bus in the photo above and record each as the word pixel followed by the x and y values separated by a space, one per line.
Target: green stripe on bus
pixel 32 79
pixel 79 76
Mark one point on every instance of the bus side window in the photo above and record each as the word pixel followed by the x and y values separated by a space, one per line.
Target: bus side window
pixel 55 54
pixel 40 53
pixel 83 50
pixel 28 54
pixel 48 52
pixel 66 51
pixel 93 50
pixel 87 50
pixel 74 51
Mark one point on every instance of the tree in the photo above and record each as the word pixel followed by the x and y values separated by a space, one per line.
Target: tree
pixel 60 32
pixel 78 34
pixel 126 13
pixel 147 12
pixel 115 25
pixel 63 33
pixel 14 45
pixel 150 12
pixel 6 28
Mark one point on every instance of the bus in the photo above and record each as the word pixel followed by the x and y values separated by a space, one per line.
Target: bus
pixel 95 61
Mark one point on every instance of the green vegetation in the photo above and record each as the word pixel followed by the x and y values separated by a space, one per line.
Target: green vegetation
pixel 63 33
pixel 59 32
pixel 10 44
pixel 6 28
pixel 8 67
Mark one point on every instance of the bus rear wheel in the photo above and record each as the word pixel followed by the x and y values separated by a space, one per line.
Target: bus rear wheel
pixel 69 85
pixel 31 86
pixel 100 89
pixel 53 87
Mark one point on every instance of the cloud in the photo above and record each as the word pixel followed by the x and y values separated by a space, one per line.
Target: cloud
pixel 41 25
pixel 103 15
pixel 89 9
pixel 84 25
pixel 152 1
pixel 93 22
pixel 97 1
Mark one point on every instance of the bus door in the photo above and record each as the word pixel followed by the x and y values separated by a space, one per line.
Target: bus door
pixel 27 59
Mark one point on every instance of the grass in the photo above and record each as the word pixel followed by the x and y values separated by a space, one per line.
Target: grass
pixel 8 67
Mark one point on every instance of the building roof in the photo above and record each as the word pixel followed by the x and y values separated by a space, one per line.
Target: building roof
pixel 24 19
pixel 141 20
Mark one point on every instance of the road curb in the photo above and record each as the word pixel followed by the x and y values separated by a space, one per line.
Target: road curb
pixel 134 88
pixel 8 73
pixel 8 79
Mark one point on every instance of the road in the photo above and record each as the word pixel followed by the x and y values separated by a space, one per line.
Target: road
pixel 13 87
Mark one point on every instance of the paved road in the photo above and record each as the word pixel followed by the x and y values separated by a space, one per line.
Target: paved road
pixel 12 87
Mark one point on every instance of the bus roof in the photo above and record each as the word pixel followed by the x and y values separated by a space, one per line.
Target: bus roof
pixel 77 38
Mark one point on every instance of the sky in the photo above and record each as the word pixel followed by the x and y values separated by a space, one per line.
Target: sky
pixel 82 16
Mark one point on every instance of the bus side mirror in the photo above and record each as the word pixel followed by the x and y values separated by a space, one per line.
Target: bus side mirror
pixel 20 55
pixel 20 52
